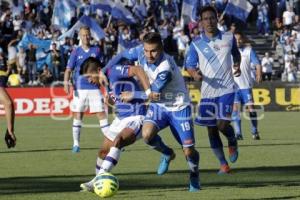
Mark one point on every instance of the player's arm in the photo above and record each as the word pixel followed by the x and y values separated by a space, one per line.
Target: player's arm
pixel 191 62
pixel 254 60
pixel 142 77
pixel 236 58
pixel 68 71
pixel 131 54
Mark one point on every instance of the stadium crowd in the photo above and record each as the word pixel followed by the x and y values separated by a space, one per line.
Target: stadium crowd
pixel 34 17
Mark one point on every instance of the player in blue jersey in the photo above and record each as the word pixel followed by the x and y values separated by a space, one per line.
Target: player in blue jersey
pixel 8 104
pixel 172 106
pixel 130 109
pixel 85 94
pixel 243 95
pixel 213 52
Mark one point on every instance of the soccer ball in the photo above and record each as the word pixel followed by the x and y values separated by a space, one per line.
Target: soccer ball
pixel 106 185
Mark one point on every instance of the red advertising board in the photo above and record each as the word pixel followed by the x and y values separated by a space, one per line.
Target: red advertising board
pixel 39 101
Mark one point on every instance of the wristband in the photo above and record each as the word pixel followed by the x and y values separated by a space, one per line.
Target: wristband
pixel 148 92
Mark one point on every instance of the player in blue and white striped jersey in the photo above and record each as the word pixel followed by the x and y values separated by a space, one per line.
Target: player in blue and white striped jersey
pixel 212 52
pixel 171 106
pixel 243 95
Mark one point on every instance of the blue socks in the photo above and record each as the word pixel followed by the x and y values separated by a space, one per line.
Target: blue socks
pixel 217 147
pixel 236 119
pixel 157 144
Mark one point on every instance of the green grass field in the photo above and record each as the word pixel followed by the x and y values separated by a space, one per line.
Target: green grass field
pixel 43 167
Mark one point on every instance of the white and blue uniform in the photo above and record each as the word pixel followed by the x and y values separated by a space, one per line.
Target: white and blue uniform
pixel 245 81
pixel 173 109
pixel 214 58
pixel 130 114
pixel 85 93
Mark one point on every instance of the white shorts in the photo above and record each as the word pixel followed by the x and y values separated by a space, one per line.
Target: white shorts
pixel 82 99
pixel 133 122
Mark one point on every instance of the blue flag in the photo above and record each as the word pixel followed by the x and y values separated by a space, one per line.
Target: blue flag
pixel 238 8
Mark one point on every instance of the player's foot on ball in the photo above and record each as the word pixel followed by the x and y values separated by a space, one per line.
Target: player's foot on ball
pixel 87 187
pixel 164 163
pixel 255 136
pixel 224 169
pixel 194 183
pixel 233 153
pixel 239 137
pixel 76 149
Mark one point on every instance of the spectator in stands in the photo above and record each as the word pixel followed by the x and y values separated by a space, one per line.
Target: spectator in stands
pixel 288 17
pixel 45 77
pixel 289 66
pixel 182 45
pixel 263 23
pixel 14 79
pixel 21 62
pixel 31 64
pixel 55 61
pixel 12 53
pixel 267 67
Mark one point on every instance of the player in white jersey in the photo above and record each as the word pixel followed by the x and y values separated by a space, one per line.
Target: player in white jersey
pixel 213 52
pixel 243 95
pixel 172 107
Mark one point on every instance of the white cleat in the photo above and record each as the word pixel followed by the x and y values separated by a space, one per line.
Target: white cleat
pixel 87 187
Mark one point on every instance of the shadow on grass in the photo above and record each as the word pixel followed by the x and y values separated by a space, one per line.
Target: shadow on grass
pixel 137 149
pixel 173 180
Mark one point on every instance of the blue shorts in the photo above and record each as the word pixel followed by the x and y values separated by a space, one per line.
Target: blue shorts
pixel 244 96
pixel 213 109
pixel 180 122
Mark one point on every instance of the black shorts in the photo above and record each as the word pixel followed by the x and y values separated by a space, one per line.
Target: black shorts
pixel 3 81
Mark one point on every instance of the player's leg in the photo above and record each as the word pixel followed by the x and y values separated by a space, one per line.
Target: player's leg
pixel 96 105
pixel 225 104
pixel 252 113
pixel 182 128
pixel 236 117
pixel 125 138
pixel 8 104
pixel 153 123
pixel 78 107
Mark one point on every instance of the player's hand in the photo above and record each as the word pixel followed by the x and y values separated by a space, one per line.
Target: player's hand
pixel 10 139
pixel 198 75
pixel 154 96
pixel 237 70
pixel 126 96
pixel 67 88
pixel 103 79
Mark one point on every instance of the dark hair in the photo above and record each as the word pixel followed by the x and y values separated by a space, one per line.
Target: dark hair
pixel 208 8
pixel 90 63
pixel 153 38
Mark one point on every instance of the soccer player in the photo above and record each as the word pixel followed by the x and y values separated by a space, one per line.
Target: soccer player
pixel 243 95
pixel 213 52
pixel 130 109
pixel 85 94
pixel 8 104
pixel 172 106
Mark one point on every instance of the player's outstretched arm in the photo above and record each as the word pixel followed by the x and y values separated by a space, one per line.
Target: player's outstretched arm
pixel 258 73
pixel 195 74
pixel 67 76
pixel 141 75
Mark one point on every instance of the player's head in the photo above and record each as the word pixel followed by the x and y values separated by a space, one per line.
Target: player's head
pixel 209 19
pixel 240 39
pixel 153 46
pixel 85 35
pixel 90 68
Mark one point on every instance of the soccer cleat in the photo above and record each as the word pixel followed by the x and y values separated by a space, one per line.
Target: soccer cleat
pixel 88 186
pixel 76 149
pixel 233 153
pixel 164 163
pixel 239 137
pixel 194 184
pixel 224 169
pixel 255 136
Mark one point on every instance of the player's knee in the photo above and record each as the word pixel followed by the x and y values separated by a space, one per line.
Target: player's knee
pixel 102 153
pixel 118 142
pixel 189 151
pixel 222 125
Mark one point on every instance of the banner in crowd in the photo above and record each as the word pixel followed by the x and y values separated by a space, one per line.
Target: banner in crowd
pixel 53 101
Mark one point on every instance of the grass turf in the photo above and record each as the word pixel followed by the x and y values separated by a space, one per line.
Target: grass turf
pixel 43 167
